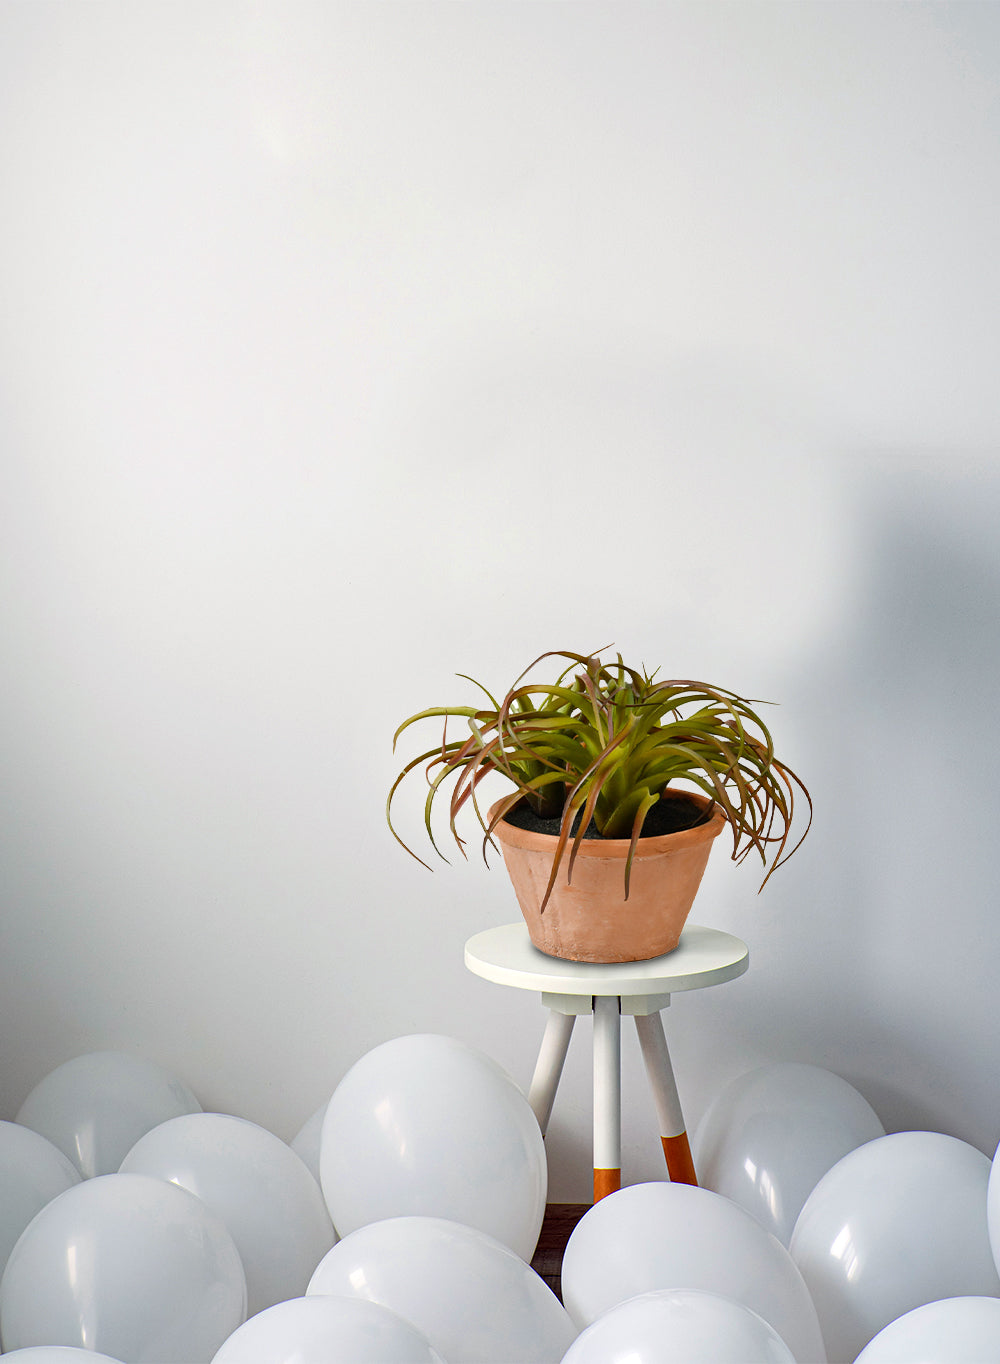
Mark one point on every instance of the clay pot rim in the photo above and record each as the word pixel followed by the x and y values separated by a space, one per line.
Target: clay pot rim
pixel 617 847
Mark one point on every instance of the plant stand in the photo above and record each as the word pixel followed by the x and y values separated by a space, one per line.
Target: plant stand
pixel 704 957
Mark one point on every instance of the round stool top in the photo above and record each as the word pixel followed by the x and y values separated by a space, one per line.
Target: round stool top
pixel 704 956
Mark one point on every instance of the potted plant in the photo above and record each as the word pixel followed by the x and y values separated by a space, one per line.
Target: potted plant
pixel 604 847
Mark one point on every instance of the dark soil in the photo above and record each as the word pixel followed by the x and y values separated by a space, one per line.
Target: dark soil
pixel 669 815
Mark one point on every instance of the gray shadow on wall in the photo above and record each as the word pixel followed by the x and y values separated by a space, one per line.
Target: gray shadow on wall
pixel 887 970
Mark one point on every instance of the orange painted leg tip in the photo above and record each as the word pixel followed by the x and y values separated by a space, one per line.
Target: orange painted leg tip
pixel 680 1165
pixel 606 1182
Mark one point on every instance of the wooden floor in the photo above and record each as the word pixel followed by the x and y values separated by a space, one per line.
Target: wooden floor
pixel 560 1219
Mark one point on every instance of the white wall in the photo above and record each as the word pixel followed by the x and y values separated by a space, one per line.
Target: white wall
pixel 344 347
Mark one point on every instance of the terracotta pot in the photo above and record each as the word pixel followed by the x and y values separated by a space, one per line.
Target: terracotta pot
pixel 588 918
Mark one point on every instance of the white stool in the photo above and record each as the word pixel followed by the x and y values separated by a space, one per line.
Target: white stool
pixel 704 956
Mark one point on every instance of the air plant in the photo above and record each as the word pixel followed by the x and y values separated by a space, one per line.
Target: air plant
pixel 602 748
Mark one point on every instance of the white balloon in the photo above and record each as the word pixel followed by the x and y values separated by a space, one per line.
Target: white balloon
pixel 676 1325
pixel 895 1224
pixel 97 1106
pixel 128 1266
pixel 427 1126
pixel 470 1295
pixel 58 1354
pixel 256 1184
pixel 676 1236
pixel 306 1142
pixel 771 1135
pixel 993 1208
pixel 32 1173
pixel 953 1331
pixel 321 1330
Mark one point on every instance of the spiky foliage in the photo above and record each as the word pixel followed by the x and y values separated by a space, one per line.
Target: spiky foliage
pixel 604 745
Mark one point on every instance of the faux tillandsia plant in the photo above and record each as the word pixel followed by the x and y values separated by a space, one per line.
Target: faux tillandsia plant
pixel 600 749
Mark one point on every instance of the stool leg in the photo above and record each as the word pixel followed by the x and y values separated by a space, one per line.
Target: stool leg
pixel 549 1066
pixel 676 1148
pixel 607 1096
